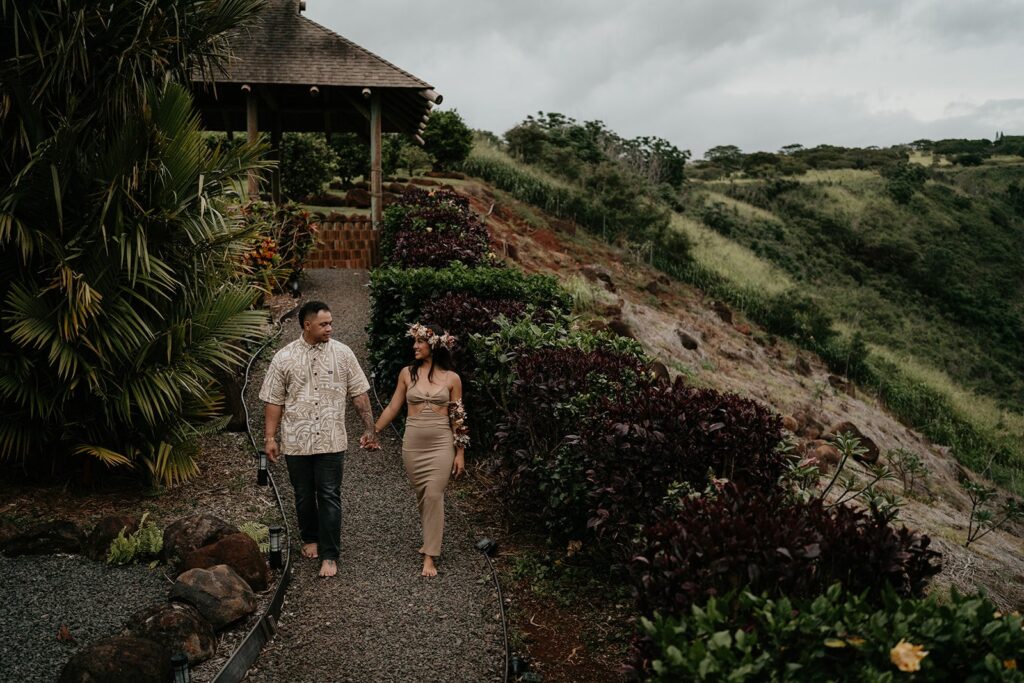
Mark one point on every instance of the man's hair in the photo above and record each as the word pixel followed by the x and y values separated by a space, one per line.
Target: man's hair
pixel 310 309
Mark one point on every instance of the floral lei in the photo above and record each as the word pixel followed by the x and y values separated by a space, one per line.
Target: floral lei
pixel 457 417
pixel 423 333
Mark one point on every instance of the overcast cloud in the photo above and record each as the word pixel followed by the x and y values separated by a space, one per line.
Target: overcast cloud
pixel 755 73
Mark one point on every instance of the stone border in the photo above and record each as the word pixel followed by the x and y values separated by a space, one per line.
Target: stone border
pixel 245 654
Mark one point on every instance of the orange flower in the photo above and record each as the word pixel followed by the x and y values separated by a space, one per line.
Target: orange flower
pixel 1009 663
pixel 907 656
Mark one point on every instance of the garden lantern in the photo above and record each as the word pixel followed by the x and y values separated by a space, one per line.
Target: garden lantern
pixel 488 546
pixel 275 547
pixel 261 476
pixel 179 667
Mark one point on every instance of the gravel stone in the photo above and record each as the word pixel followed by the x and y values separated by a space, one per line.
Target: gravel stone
pixel 42 593
pixel 378 620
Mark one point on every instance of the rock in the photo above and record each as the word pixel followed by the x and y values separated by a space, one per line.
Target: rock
pixel 744 328
pixel 660 371
pixel 687 340
pixel 397 188
pixel 119 659
pixel 219 593
pixel 872 454
pixel 801 365
pixel 424 182
pixel 654 287
pixel 827 454
pixel 789 423
pixel 105 531
pixel 723 311
pixel 613 310
pixel 189 533
pixel 512 251
pixel 239 552
pixel 358 198
pixel 810 427
pixel 445 174
pixel 598 274
pixel 8 530
pixel 596 326
pixel 401 179
pixel 176 626
pixel 620 327
pixel 564 226
pixel 46 539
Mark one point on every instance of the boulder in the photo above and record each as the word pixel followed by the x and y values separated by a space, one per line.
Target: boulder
pixel 826 455
pixel 176 626
pixel 8 530
pixel 106 530
pixel 621 328
pixel 358 198
pixel 46 539
pixel 219 593
pixel 790 424
pixel 189 533
pixel 598 274
pixel 802 366
pixel 654 287
pixel 397 188
pixel 687 340
pixel 512 251
pixel 744 328
pixel 723 311
pixel 872 454
pixel 660 371
pixel 424 182
pixel 809 426
pixel 239 552
pixel 119 659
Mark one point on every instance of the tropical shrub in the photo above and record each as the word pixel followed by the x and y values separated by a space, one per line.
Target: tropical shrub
pixel 432 229
pixel 118 263
pixel 284 237
pixel 837 636
pixel 400 295
pixel 307 164
pixel 748 539
pixel 132 546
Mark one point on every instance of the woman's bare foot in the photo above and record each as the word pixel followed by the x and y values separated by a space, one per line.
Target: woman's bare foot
pixel 328 568
pixel 429 569
pixel 310 550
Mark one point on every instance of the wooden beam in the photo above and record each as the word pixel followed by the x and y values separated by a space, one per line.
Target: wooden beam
pixel 376 180
pixel 432 96
pixel 275 154
pixel 252 128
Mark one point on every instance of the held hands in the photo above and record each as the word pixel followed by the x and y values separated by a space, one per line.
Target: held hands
pixel 459 465
pixel 368 441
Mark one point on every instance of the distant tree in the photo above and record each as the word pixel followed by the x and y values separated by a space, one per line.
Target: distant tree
pixel 391 149
pixel 353 156
pixel 760 162
pixel 307 164
pixel 792 149
pixel 729 156
pixel 413 159
pixel 448 140
pixel 903 179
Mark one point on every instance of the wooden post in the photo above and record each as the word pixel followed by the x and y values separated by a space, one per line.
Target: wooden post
pixel 252 127
pixel 275 154
pixel 376 180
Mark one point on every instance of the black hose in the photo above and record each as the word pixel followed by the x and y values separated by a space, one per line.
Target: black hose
pixel 494 572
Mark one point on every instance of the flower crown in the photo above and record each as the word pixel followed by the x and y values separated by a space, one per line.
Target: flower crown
pixel 423 333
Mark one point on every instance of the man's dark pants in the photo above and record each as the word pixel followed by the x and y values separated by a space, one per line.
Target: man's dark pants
pixel 316 480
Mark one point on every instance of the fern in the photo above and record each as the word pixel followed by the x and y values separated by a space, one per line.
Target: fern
pixel 144 542
pixel 259 533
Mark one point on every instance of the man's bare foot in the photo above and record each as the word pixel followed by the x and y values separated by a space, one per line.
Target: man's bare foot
pixel 310 550
pixel 429 569
pixel 328 568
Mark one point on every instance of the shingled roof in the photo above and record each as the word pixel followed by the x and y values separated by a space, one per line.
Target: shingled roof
pixel 283 55
pixel 285 47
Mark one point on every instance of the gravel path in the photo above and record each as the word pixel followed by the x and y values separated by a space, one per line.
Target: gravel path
pixel 379 620
pixel 93 600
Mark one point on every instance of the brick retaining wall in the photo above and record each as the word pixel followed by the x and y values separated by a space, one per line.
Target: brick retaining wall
pixel 349 243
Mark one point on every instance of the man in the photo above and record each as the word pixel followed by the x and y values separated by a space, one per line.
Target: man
pixel 308 383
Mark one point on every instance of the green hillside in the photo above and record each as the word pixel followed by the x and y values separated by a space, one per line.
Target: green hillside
pixel 909 277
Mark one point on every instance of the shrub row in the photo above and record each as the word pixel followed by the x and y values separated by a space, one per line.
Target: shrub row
pixel 433 229
pixel 761 541
pixel 838 636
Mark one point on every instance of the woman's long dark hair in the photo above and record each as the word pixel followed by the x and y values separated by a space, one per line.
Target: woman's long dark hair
pixel 441 357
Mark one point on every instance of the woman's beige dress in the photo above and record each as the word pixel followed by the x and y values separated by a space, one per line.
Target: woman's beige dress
pixel 428 451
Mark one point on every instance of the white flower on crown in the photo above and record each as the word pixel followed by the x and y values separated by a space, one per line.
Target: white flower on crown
pixel 423 333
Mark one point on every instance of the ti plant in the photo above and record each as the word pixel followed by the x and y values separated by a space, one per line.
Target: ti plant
pixel 984 520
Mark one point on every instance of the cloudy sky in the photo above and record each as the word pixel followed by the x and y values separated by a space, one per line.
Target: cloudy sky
pixel 755 73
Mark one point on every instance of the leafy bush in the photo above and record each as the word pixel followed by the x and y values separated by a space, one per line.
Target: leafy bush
pixel 307 164
pixel 352 156
pixel 903 179
pixel 399 297
pixel 284 237
pixel 748 539
pixel 122 295
pixel 838 636
pixel 145 542
pixel 432 229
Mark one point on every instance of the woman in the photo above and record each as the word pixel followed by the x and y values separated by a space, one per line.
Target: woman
pixel 435 431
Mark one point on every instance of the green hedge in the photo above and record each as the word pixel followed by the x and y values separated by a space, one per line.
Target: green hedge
pixel 835 637
pixel 399 296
